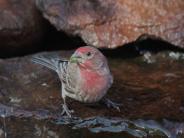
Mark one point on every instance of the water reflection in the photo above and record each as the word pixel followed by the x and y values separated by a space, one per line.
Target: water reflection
pixel 90 127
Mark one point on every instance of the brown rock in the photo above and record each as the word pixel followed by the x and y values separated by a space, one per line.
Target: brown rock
pixel 107 23
pixel 21 24
pixel 151 90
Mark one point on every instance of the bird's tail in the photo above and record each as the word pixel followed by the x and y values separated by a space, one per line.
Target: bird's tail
pixel 50 63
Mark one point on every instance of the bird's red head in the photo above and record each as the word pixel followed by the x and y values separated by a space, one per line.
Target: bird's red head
pixel 89 57
pixel 84 49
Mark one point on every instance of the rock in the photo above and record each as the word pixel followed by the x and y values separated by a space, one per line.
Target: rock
pixel 146 90
pixel 21 25
pixel 107 23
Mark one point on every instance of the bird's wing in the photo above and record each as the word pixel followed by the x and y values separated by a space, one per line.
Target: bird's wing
pixel 56 64
pixel 62 70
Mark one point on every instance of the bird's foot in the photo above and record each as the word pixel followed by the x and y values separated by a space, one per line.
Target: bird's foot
pixel 66 111
pixel 111 104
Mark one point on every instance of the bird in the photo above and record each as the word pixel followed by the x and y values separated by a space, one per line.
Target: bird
pixel 85 77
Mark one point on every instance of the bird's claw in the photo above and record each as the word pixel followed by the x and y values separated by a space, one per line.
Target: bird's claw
pixel 66 111
pixel 111 104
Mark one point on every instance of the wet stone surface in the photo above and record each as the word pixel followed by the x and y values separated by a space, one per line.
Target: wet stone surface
pixel 149 87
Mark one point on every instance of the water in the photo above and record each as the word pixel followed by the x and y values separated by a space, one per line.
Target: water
pixel 149 87
pixel 90 127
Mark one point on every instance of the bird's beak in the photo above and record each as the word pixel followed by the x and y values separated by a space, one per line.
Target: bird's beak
pixel 75 58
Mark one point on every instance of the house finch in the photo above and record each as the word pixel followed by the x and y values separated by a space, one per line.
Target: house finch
pixel 85 77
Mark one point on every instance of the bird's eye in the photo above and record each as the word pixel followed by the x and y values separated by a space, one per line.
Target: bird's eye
pixel 88 54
